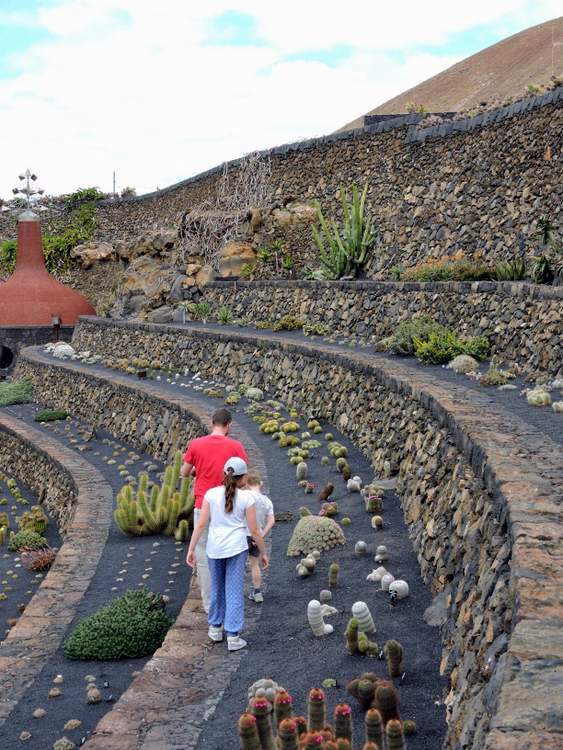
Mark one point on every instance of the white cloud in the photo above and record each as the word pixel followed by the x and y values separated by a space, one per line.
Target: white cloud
pixel 133 86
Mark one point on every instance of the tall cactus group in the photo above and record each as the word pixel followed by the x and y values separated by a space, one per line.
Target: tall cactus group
pixel 267 727
pixel 157 510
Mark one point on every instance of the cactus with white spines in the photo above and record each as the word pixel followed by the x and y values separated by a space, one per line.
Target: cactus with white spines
pixel 316 619
pixel 361 612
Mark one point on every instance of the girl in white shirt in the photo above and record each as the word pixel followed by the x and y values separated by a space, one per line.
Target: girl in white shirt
pixel 229 511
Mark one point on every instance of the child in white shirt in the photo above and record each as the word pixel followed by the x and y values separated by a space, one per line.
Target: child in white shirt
pixel 264 520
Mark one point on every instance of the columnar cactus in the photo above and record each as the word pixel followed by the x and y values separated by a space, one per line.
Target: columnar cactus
pixel 283 706
pixel 316 709
pixel 333 573
pixel 365 646
pixel 394 657
pixel 374 727
pixel 387 702
pixel 395 736
pixel 248 732
pixel 288 739
pixel 326 492
pixel 351 635
pixel 343 721
pixel 360 611
pixel 301 471
pixel 316 620
pixel 261 710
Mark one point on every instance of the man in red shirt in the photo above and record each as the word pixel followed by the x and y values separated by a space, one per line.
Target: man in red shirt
pixel 205 457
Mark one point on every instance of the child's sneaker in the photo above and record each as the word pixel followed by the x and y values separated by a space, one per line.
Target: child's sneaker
pixel 256 596
pixel 235 642
pixel 215 633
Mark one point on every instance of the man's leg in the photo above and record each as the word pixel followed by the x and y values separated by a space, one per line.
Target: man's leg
pixel 203 576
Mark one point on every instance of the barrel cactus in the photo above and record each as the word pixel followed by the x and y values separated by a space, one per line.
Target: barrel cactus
pixel 314 532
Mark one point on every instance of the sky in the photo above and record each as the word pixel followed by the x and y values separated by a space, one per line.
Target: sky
pixel 159 91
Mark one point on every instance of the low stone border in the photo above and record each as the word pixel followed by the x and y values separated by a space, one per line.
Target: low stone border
pixel 167 704
pixel 38 460
pixel 505 455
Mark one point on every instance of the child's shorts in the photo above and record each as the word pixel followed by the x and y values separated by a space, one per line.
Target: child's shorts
pixel 253 550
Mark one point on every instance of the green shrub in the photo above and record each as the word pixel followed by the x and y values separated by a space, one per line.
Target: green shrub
pixel 315 329
pixel 343 250
pixel 16 392
pixel 247 270
pixel 288 323
pixel 513 270
pixel 478 347
pixel 199 310
pixel 26 540
pixel 402 341
pixel 81 196
pixel 129 627
pixel 448 270
pixel 50 415
pixel 224 316
pixel 439 348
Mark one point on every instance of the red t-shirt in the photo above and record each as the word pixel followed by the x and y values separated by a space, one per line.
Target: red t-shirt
pixel 209 455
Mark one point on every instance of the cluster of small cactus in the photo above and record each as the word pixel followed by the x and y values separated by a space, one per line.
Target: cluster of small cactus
pixel 261 728
pixel 373 498
pixel 314 533
pixel 329 509
pixel 26 540
pixel 357 641
pixel 314 426
pixel 164 510
pixel 270 426
pixel 33 519
pixel 306 566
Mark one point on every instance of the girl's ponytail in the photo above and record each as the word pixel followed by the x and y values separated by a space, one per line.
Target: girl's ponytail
pixel 230 490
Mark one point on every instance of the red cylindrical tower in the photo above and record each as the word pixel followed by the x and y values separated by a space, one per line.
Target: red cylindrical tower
pixel 31 296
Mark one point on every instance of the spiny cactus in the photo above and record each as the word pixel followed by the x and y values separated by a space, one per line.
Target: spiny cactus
pixel 365 646
pixel 314 532
pixel 394 657
pixel 288 739
pixel 409 727
pixel 316 620
pixel 377 522
pixel 326 492
pixel 165 510
pixel 260 709
pixel 343 721
pixel 387 701
pixel 248 732
pixel 374 727
pixel 3 534
pixel 33 519
pixel 301 471
pixel 351 635
pixel 316 709
pixel 362 688
pixel 283 706
pixel 333 575
pixel 374 504
pixel 329 509
pixel 395 736
pixel 343 744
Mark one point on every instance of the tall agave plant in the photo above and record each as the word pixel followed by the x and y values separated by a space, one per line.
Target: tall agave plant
pixel 343 251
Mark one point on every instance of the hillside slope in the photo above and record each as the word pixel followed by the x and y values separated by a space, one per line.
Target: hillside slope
pixel 500 71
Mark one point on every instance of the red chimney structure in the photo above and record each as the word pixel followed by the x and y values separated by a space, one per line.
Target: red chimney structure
pixel 31 296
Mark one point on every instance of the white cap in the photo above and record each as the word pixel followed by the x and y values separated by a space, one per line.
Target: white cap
pixel 238 466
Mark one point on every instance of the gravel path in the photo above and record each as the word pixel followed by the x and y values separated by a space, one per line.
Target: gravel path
pixel 123 564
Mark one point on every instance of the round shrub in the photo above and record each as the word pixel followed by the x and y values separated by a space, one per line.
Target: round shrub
pixel 26 540
pixel 130 626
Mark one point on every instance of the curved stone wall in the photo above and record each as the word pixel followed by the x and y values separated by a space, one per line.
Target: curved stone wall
pixel 477 185
pixel 482 519
pixel 523 322
pixel 81 500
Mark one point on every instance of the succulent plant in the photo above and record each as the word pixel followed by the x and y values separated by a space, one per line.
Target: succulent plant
pixel 333 574
pixel 362 688
pixel 386 701
pixel 283 706
pixel 316 709
pixel 248 732
pixel 290 426
pixel 394 657
pixel 374 726
pixel 381 553
pixel 261 709
pixel 33 519
pixel 360 548
pixel 409 727
pixel 361 612
pixel 288 739
pixel 343 721
pixel 353 485
pixel 386 580
pixel 38 559
pixel 326 492
pixel 304 511
pixel 374 504
pixel 316 620
pixel 26 540
pixel 394 735
pixel 351 635
pixel 346 521
pixel 314 532
pixel 538 397
pixel 325 461
pixel 377 522
pixel 329 509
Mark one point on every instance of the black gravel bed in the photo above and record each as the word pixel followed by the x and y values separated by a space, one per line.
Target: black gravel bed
pixel 124 562
pixel 17 584
pixel 282 645
pixel 543 418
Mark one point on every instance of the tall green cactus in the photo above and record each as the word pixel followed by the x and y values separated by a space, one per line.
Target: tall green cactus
pixel 288 739
pixel 343 251
pixel 395 736
pixel 260 708
pixel 343 721
pixel 283 706
pixel 248 732
pixel 374 727
pixel 316 707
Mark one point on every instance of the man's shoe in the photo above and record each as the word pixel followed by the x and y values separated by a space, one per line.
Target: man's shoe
pixel 215 633
pixel 235 642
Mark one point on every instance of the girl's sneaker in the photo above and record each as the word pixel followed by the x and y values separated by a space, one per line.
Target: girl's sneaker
pixel 215 633
pixel 235 642
pixel 256 596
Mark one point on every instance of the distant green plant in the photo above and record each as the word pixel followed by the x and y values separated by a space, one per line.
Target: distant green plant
pixel 128 192
pixel 413 108
pixel 224 316
pixel 314 274
pixel 26 540
pixel 512 270
pixel 288 323
pixel 448 269
pixel 129 627
pixel 199 310
pixel 83 195
pixel 16 392
pixel 396 272
pixel 402 340
pixel 287 262
pixel 247 270
pixel 478 347
pixel 542 272
pixel 265 255
pixel 50 415
pixel 343 250
pixel 534 88
pixel 315 329
pixel 439 348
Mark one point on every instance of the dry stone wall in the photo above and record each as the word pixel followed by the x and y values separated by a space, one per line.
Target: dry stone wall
pixel 476 185
pixel 523 322
pixel 482 519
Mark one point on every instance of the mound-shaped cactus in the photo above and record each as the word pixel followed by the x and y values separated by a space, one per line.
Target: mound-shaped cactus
pixel 314 532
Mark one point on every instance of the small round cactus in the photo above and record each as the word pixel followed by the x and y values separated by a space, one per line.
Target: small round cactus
pixel 360 548
pixel 386 580
pixel 377 522
pixel 409 727
pixel 395 736
pixel 288 739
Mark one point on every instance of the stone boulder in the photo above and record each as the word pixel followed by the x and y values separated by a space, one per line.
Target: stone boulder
pixel 89 253
pixel 162 314
pixel 293 214
pixel 233 256
pixel 150 277
pixel 205 275
pixel 158 242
